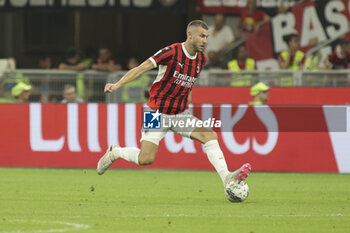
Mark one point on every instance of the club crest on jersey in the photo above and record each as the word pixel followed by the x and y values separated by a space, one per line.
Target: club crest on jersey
pixel 151 120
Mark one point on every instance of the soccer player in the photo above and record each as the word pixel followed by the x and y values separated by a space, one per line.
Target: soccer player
pixel 179 67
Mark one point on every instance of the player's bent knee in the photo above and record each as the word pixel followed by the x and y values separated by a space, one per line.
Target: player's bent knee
pixel 146 158
pixel 145 161
pixel 148 152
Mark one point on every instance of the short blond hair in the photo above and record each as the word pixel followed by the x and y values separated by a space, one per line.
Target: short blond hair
pixel 197 23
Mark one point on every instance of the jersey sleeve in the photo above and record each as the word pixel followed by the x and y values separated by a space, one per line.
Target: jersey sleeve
pixel 162 57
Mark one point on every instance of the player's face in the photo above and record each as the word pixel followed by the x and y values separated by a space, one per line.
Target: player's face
pixel 199 39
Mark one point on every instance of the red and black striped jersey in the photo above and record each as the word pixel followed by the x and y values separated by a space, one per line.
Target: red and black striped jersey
pixel 177 73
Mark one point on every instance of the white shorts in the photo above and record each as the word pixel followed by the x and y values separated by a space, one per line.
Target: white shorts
pixel 171 122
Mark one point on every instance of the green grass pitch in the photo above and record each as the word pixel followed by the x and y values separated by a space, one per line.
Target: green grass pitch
pixel 159 201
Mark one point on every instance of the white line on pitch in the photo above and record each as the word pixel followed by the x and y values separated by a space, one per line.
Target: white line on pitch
pixel 72 226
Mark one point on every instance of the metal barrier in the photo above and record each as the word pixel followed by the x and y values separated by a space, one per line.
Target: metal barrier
pixel 47 85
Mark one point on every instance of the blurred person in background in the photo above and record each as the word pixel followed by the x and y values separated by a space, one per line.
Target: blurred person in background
pixel 136 91
pixel 105 61
pixel 21 92
pixel 220 39
pixel 70 95
pixel 292 58
pixel 340 58
pixel 8 65
pixel 86 85
pixel 73 61
pixel 242 62
pixel 260 93
pixel 90 57
pixel 316 60
pixel 252 19
pixel 45 62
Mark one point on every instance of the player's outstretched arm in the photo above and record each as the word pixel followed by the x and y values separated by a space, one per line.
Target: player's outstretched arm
pixel 130 76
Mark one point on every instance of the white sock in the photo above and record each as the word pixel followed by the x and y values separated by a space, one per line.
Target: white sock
pixel 216 158
pixel 130 154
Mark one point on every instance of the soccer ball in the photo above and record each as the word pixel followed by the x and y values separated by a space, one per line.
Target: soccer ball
pixel 237 191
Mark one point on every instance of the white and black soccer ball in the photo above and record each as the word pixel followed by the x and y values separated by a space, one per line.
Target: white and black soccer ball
pixel 237 191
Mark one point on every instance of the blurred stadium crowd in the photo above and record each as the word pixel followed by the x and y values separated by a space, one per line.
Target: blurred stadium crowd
pixel 81 75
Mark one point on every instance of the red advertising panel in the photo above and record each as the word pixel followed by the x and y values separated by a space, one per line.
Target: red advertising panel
pixel 277 95
pixel 76 135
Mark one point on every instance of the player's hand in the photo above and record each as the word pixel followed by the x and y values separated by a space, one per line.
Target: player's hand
pixel 110 88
